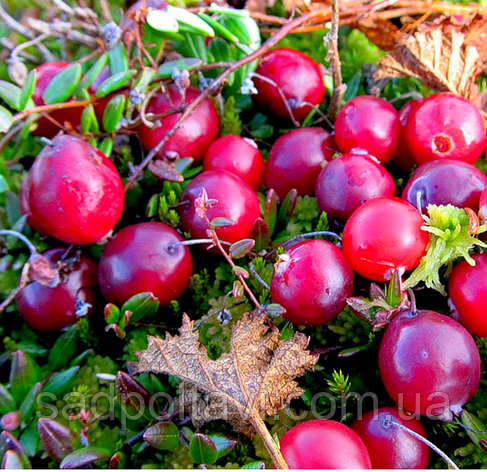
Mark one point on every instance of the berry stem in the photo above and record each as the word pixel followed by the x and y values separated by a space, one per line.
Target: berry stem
pixel 451 464
pixel 258 277
pixel 192 242
pixel 24 239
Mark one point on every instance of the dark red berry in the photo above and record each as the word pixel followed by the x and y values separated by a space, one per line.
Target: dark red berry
pixel 368 124
pixel 348 181
pixel 312 281
pixel 468 294
pixel 46 127
pixel 403 157
pixel 237 155
pixel 295 160
pixel 443 182
pixel 324 444
pixel 446 126
pixel 297 76
pixel 429 363
pixel 52 309
pixel 193 137
pixel 383 235
pixel 236 202
pixel 75 194
pixel 140 258
pixel 390 447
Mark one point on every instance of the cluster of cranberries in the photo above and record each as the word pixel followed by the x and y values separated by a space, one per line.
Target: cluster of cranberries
pixel 74 193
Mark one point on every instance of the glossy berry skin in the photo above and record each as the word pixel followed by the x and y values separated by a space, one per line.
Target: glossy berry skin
pixel 390 447
pixel 138 260
pixel 24 196
pixel 402 157
pixel 369 124
pixel 312 281
pixel 429 363
pixel 295 160
pixel 299 78
pixel 45 127
pixel 236 201
pixel 446 181
pixel 446 126
pixel 382 235
pixel 193 137
pixel 75 193
pixel 468 294
pixel 483 205
pixel 239 156
pixel 348 181
pixel 47 309
pixel 324 444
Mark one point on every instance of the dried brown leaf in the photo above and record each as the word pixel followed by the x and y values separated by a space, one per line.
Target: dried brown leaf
pixel 255 377
pixel 165 171
pixel 379 31
pixel 441 61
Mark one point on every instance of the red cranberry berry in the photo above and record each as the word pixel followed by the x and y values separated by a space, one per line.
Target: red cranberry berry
pixel 297 76
pixel 368 124
pixel 429 363
pixel 383 235
pixel 446 126
pixel 390 447
pixel 348 181
pixel 236 202
pixel 324 444
pixel 312 281
pixel 403 157
pixel 52 309
pixel 468 294
pixel 141 258
pixel 237 155
pixel 196 133
pixel 443 182
pixel 75 194
pixel 45 127
pixel 295 160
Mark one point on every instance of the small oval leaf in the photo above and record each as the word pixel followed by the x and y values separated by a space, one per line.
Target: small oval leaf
pixel 113 112
pixel 190 20
pixel 240 272
pixel 254 465
pixel 260 233
pixel 162 21
pixel 60 383
pixel 163 436
pixel 6 120
pixel 287 207
pixel 142 304
pixel 106 146
pixel 56 439
pixel 113 83
pixel 27 89
pixel 24 374
pixel 63 85
pixel 85 456
pixel 117 59
pixel 64 348
pixel 165 171
pixel 94 71
pixel 202 449
pixel 187 63
pixel 238 28
pixel 215 8
pixel 274 310
pixel 241 248
pixel 224 444
pixel 7 402
pixel 10 94
pixel 29 404
pixel 270 210
pixel 218 28
pixel 221 222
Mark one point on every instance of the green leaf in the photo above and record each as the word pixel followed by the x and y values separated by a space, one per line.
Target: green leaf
pixel 260 233
pixel 274 310
pixel 10 94
pixel 254 465
pixel 144 79
pixel 224 444
pixel 113 112
pixel 24 374
pixel 115 82
pixel 118 60
pixel 189 21
pixel 29 403
pixel 449 240
pixel 241 248
pixel 215 8
pixel 88 118
pixel 133 397
pixel 85 456
pixel 7 402
pixel 163 436
pixel 240 272
pixel 60 383
pixel 162 21
pixel 5 120
pixel 3 184
pixel 28 89
pixel 270 210
pixel 287 207
pixel 202 449
pixel 221 222
pixel 218 28
pixel 238 28
pixel 141 305
pixel 186 63
pixel 63 85
pixel 197 46
pixel 30 439
pixel 94 71
pixel 106 146
pixel 112 313
pixel 475 429
pixel 64 348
